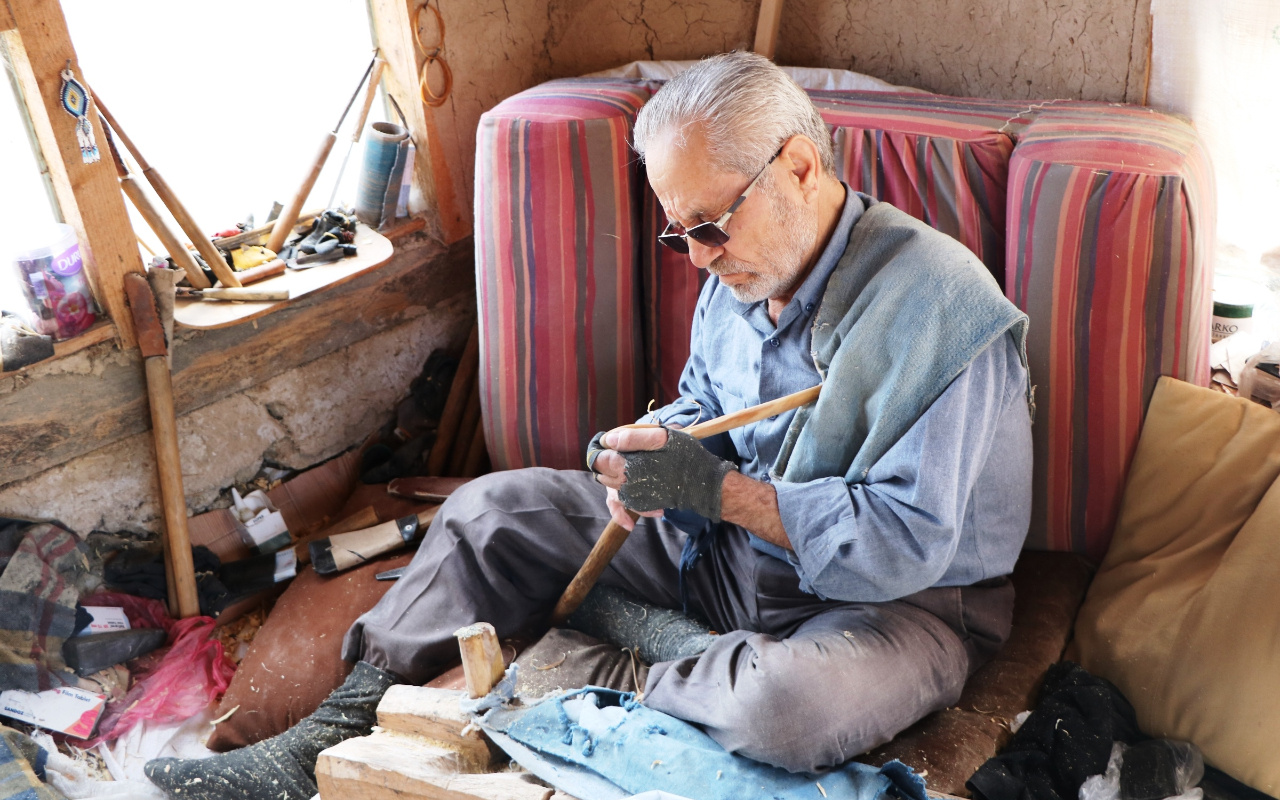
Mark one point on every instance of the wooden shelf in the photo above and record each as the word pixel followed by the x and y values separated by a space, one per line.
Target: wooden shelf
pixel 374 251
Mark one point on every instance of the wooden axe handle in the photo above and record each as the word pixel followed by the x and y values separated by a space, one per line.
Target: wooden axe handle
pixel 611 539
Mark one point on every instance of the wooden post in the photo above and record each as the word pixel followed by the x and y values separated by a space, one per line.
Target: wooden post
pixel 481 657
pixel 393 22
pixel 88 194
pixel 767 27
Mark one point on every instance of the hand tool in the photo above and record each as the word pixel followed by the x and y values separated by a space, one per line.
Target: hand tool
pixel 284 225
pixel 260 273
pixel 185 221
pixel 133 190
pixel 241 294
pixel 347 550
pixel 180 567
pixel 370 92
pixel 614 534
pixel 391 574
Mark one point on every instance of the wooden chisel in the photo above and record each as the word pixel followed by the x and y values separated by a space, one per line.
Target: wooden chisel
pixel 244 295
pixel 346 550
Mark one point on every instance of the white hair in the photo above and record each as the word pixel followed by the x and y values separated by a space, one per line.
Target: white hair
pixel 744 106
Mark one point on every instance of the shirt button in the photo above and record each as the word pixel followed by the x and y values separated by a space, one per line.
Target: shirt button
pixel 774 341
pixel 808 308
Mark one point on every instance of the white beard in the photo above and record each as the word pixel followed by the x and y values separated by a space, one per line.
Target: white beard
pixel 782 258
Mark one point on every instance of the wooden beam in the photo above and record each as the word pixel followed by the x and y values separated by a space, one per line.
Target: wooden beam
pixel 6 17
pixel 88 194
pixel 767 27
pixel 388 766
pixel 393 22
pixel 435 715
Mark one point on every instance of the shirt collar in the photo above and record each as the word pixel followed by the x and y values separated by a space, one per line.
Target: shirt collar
pixel 807 297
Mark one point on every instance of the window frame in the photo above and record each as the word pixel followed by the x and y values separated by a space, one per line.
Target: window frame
pixel 35 35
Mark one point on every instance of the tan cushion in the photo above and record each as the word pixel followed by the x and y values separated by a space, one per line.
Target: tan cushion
pixel 1184 614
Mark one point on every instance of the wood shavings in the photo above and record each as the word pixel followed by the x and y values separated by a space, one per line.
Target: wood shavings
pixel 824 791
pixel 654 764
pixel 224 717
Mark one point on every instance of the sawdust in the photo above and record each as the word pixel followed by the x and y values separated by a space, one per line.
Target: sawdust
pixel 237 635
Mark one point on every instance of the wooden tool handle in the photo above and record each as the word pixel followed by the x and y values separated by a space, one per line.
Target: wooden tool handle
pixel 164 425
pixel 247 295
pixel 370 93
pixel 290 215
pixel 188 224
pixel 177 251
pixel 606 547
pixel 455 405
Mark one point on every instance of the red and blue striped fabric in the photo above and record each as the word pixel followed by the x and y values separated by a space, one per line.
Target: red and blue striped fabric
pixel 1111 220
pixel 557 216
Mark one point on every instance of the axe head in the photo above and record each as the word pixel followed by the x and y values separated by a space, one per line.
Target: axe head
pixel 146 316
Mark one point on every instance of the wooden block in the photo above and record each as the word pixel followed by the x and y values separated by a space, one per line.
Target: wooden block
pixel 434 715
pixel 390 766
pixel 481 657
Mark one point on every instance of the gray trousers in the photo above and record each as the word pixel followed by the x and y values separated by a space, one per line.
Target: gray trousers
pixel 792 680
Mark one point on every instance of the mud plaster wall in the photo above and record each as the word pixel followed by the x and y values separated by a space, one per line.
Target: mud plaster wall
pixel 292 393
pixel 1005 49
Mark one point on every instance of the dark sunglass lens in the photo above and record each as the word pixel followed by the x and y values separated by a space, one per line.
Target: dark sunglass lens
pixel 707 233
pixel 675 242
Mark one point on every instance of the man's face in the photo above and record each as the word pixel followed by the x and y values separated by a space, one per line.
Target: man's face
pixel 772 235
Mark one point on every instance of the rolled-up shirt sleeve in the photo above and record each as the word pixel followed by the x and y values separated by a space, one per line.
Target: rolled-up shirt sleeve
pixel 897 532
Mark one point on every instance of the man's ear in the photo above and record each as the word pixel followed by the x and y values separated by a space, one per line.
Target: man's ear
pixel 803 163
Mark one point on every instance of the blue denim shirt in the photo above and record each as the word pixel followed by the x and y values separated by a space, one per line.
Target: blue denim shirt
pixel 948 505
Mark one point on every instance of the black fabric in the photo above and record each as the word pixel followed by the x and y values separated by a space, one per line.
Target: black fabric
pixel 1218 785
pixel 141 573
pixel 681 474
pixel 282 767
pixel 1065 740
pixel 1159 768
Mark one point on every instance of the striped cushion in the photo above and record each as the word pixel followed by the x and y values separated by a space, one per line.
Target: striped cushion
pixel 1111 219
pixel 557 216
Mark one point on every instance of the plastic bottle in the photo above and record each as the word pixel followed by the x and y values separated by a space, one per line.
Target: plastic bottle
pixel 55 285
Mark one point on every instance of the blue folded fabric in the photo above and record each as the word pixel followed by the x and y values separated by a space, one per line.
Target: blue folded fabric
pixel 601 744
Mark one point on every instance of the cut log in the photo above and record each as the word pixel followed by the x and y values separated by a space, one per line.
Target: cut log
pixel 390 766
pixel 434 715
pixel 481 657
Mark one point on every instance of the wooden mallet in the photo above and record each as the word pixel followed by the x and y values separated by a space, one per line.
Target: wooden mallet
pixel 614 535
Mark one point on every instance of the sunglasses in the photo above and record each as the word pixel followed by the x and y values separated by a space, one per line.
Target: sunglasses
pixel 711 234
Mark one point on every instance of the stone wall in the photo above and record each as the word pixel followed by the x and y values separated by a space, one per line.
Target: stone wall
pixel 291 390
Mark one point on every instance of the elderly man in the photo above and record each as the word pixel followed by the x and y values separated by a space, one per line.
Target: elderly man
pixel 853 555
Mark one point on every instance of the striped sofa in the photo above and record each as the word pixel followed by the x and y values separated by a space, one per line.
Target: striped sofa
pixel 1096 219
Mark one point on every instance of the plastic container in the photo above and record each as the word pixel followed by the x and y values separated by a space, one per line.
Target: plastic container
pixel 54 284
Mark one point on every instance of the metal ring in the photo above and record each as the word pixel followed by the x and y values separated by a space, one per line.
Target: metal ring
pixel 424 85
pixel 417 35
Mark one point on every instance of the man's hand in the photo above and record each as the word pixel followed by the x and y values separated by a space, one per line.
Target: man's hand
pixel 652 468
